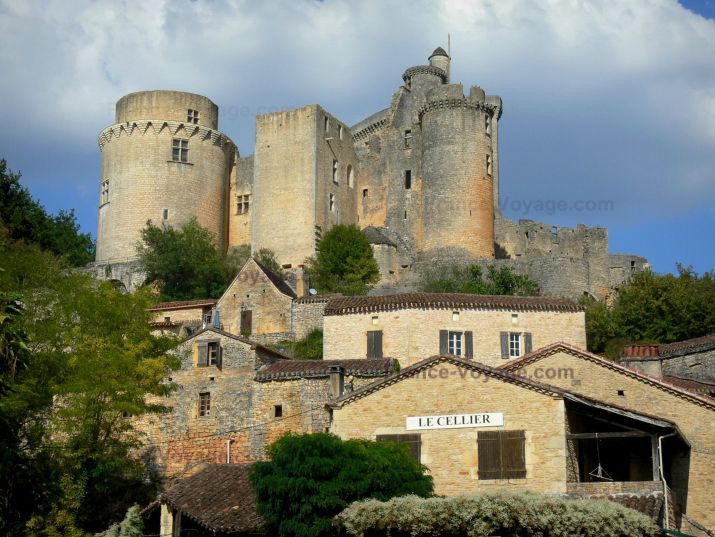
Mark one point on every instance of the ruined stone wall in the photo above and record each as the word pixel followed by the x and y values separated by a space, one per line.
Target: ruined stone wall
pixel 699 366
pixel 410 335
pixel 140 180
pixel 239 213
pixel 307 315
pixel 451 454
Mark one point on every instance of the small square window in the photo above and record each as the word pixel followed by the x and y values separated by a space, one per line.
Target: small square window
pixel 167 319
pixel 192 116
pixel 242 203
pixel 374 319
pixel 621 393
pixel 455 316
pixel 204 404
pixel 278 411
pixel 514 318
pixel 179 150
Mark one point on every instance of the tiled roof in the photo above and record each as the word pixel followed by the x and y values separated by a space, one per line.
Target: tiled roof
pixel 180 304
pixel 243 339
pixel 554 348
pixel 688 346
pixel 279 282
pixel 639 351
pixel 218 498
pixel 699 386
pixel 291 369
pixel 315 299
pixel 650 505
pixel 368 304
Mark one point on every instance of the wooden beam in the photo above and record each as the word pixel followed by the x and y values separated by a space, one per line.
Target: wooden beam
pixel 621 434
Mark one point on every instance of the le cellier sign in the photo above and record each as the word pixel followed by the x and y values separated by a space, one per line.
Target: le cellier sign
pixel 455 421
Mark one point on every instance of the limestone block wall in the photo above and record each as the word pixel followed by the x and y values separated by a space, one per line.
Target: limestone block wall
pixel 167 105
pixel 691 480
pixel 700 365
pixel 307 315
pixel 451 454
pixel 410 335
pixel 140 181
pixel 239 213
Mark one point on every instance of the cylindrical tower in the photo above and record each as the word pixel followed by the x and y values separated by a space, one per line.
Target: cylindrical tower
pixel 439 58
pixel 457 168
pixel 164 160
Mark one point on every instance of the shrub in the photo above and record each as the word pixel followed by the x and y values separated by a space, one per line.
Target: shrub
pixel 504 514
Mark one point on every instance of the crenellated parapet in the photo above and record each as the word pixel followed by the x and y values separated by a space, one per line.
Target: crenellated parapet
pixel 157 127
pixel 369 130
pixel 424 70
pixel 457 103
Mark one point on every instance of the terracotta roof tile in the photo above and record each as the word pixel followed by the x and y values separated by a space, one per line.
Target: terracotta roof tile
pixel 367 304
pixel 639 351
pixel 688 346
pixel 313 299
pixel 218 498
pixel 179 304
pixel 291 369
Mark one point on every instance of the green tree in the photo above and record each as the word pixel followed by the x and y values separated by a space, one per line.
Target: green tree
pixel 185 262
pixel 652 308
pixel 310 478
pixel 471 279
pixel 91 359
pixel 25 219
pixel 344 262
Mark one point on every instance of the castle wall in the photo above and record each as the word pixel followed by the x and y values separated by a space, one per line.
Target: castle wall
pixel 167 105
pixel 141 180
pixel 240 199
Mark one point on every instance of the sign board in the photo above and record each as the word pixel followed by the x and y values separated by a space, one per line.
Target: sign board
pixel 454 421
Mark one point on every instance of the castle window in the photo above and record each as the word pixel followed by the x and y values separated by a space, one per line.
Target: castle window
pixel 277 411
pixel 105 192
pixel 165 214
pixel 488 124
pixel 501 455
pixel 179 150
pixel 351 176
pixel 204 404
pixel 335 172
pixel 489 164
pixel 327 124
pixel 408 139
pixel 364 192
pixel 242 204
pixel 332 203
pixel 408 179
pixel 340 132
pixel 192 116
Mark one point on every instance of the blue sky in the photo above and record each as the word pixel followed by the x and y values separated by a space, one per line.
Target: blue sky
pixel 608 105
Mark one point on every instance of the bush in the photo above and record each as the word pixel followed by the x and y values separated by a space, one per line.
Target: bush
pixel 504 514
pixel 471 279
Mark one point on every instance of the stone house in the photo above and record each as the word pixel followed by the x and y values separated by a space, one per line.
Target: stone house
pixel 689 456
pixel 689 363
pixel 410 326
pixel 182 317
pixel 235 396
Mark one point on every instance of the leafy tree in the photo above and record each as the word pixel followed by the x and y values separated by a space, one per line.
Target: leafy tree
pixel 91 358
pixel 27 220
pixel 184 262
pixel 310 478
pixel 344 262
pixel 267 258
pixel 653 308
pixel 471 279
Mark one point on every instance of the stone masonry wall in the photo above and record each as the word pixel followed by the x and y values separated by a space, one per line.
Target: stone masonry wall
pixel 241 185
pixel 307 316
pixel 451 454
pixel 412 335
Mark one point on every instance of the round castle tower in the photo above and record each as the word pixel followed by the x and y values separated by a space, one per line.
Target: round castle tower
pixel 163 160
pixel 458 170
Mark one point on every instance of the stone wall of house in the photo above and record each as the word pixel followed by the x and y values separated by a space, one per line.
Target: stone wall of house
pixel 692 478
pixel 307 315
pixel 698 365
pixel 451 454
pixel 410 335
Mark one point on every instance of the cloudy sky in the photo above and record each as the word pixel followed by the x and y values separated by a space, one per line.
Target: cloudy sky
pixel 609 105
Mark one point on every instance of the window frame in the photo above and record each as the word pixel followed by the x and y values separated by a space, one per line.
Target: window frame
pixel 180 150
pixel 204 405
pixel 243 202
pixel 515 344
pixel 489 165
pixel 192 116
pixel 455 341
pixel 104 196
pixel 407 139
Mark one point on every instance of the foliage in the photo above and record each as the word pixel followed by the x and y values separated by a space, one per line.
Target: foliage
pixel 267 258
pixel 184 262
pixel 13 339
pixel 131 526
pixel 653 308
pixel 505 514
pixel 310 347
pixel 25 219
pixel 344 262
pixel 471 279
pixel 310 478
pixel 91 358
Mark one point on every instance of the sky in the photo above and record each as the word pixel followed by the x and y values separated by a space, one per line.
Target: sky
pixel 609 105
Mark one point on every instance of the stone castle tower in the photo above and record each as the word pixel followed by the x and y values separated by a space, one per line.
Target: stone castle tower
pixel 420 177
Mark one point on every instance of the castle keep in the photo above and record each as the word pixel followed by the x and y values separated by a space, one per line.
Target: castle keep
pixel 420 177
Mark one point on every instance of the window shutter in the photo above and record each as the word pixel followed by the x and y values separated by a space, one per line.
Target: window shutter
pixel 246 322
pixel 370 344
pixel 443 342
pixel 469 344
pixel 203 354
pixel 504 337
pixel 219 356
pixel 488 454
pixel 513 456
pixel 378 344
pixel 527 342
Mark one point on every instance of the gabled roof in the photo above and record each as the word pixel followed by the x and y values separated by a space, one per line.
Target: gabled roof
pixel 276 280
pixel 292 369
pixel 370 304
pixel 242 339
pixel 669 350
pixel 184 304
pixel 218 498
pixel 555 348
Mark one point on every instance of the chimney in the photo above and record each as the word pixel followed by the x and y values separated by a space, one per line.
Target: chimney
pixel 300 281
pixel 337 381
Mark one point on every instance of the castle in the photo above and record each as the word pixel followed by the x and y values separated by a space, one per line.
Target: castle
pixel 420 177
